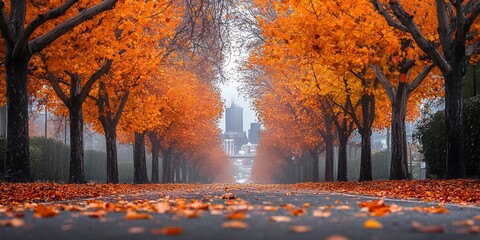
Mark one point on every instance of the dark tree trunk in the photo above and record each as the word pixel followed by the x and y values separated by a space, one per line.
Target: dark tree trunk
pixel 454 123
pixel 165 164
pixel 139 160
pixel 77 174
pixel 155 150
pixel 315 167
pixel 399 164
pixel 342 175
pixel 17 165
pixel 184 171
pixel 366 157
pixel 368 115
pixel 112 165
pixel 329 155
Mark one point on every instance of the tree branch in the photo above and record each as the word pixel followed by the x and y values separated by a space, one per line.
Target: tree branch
pixel 426 46
pixel 4 25
pixel 474 10
pixel 43 18
pixel 97 75
pixel 420 77
pixel 119 112
pixel 41 42
pixel 389 89
pixel 391 22
pixel 444 29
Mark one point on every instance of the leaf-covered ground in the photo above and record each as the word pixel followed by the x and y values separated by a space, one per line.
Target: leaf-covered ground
pixel 308 209
pixel 442 191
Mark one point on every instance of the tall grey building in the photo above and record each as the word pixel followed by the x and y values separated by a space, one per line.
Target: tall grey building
pixel 254 132
pixel 234 119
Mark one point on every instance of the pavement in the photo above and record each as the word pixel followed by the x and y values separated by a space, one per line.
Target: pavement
pixel 346 219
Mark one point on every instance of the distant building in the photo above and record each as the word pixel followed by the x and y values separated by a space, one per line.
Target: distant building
pixel 248 149
pixel 234 119
pixel 234 129
pixel 254 132
pixel 229 146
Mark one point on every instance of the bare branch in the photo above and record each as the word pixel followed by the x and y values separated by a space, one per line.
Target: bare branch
pixel 97 75
pixel 428 47
pixel 444 29
pixel 420 77
pixel 391 22
pixel 119 112
pixel 41 42
pixel 389 89
pixel 43 18
pixel 4 26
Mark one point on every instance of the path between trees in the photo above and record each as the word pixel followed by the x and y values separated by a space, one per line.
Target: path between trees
pixel 233 211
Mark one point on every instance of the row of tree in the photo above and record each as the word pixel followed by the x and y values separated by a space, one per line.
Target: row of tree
pixel 131 69
pixel 322 69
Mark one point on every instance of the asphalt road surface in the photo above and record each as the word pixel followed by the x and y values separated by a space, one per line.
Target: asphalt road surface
pixel 346 219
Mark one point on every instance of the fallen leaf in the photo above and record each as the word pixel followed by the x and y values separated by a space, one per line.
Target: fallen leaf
pixel 136 230
pixel 235 225
pixel 270 208
pixel 96 214
pixel 14 222
pixel 169 230
pixel 372 224
pixel 228 196
pixel 474 229
pixel 280 219
pixel 297 212
pixel 430 229
pixel 237 216
pixel 336 237
pixel 322 214
pixel 44 211
pixel 135 216
pixel 343 207
pixel 477 217
pixel 465 223
pixel 300 229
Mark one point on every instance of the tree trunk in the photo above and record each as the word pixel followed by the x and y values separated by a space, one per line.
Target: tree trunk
pixel 454 123
pixel 17 165
pixel 166 166
pixel 77 174
pixel 139 160
pixel 399 164
pixel 342 175
pixel 112 165
pixel 366 156
pixel 155 149
pixel 368 115
pixel 315 167
pixel 329 155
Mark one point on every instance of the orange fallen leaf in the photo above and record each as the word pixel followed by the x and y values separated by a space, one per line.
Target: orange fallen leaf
pixel 96 214
pixel 228 196
pixel 169 230
pixel 297 212
pixel 300 229
pixel 465 223
pixel 136 216
pixel 235 225
pixel 44 211
pixel 280 219
pixel 14 222
pixel 237 216
pixel 372 224
pixel 136 230
pixel 477 217
pixel 322 214
pixel 474 229
pixel 336 237
pixel 270 208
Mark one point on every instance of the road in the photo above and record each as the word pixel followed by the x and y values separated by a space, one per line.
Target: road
pixel 337 216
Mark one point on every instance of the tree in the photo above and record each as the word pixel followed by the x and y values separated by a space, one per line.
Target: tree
pixel 450 51
pixel 18 30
